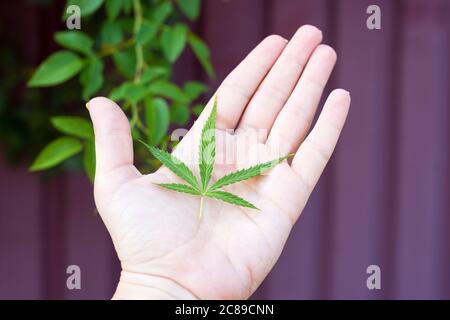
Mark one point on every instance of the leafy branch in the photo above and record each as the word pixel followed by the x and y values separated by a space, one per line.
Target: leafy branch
pixel 207 151
pixel 130 60
pixel 138 48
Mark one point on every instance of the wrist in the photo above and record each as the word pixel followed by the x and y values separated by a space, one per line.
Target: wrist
pixel 139 286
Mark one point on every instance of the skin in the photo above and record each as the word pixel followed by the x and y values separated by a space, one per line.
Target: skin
pixel 165 251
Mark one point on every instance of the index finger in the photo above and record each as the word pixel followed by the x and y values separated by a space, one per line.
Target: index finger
pixel 239 86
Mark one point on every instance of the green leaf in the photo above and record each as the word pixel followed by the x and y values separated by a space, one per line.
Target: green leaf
pixel 202 53
pixel 157 116
pixel 125 62
pixel 74 126
pixel 75 40
pixel 56 69
pixel 153 72
pixel 130 91
pixel 230 198
pixel 127 6
pixel 173 41
pixel 197 109
pixel 175 165
pixel 91 77
pixel 113 8
pixel 135 92
pixel 194 89
pixel 245 174
pixel 180 188
pixel 56 152
pixel 111 33
pixel 191 8
pixel 167 89
pixel 147 32
pixel 89 160
pixel 162 12
pixel 207 150
pixel 87 7
pixel 180 113
pixel 119 93
pixel 135 134
pixel 127 24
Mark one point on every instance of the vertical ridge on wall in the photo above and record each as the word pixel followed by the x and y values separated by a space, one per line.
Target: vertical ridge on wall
pixel 349 167
pixel 383 236
pixel 421 208
pixel 52 209
pixel 21 245
pixel 442 239
pixel 87 242
pixel 360 192
pixel 444 227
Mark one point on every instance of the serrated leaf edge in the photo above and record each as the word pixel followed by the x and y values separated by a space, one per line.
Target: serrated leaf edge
pixel 220 184
pixel 188 190
pixel 211 194
pixel 193 183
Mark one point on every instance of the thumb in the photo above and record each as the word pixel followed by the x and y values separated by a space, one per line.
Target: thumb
pixel 113 142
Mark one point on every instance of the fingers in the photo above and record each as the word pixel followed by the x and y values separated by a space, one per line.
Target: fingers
pixel 314 153
pixel 279 83
pixel 239 86
pixel 294 120
pixel 113 142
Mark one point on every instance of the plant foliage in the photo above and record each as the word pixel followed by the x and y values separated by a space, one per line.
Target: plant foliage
pixel 129 58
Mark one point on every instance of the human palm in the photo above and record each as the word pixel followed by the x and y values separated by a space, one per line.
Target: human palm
pixel 165 250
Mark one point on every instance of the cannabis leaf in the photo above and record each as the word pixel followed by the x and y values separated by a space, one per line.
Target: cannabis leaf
pixel 207 149
pixel 230 198
pixel 180 188
pixel 207 154
pixel 246 174
pixel 175 165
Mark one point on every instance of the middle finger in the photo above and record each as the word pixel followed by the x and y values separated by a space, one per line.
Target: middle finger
pixel 278 85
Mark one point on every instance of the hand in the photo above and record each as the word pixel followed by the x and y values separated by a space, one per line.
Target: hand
pixel 164 249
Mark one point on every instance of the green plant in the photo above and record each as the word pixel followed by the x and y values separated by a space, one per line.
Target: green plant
pixel 207 152
pixel 131 60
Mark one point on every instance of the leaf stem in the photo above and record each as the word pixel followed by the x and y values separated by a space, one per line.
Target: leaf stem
pixel 109 50
pixel 134 114
pixel 135 120
pixel 138 47
pixel 200 211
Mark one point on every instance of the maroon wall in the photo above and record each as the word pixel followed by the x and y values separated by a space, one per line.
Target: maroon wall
pixel 384 198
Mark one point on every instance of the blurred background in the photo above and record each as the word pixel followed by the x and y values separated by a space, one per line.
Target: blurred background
pixel 383 200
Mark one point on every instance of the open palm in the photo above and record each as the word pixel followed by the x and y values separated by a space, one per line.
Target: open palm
pixel 165 250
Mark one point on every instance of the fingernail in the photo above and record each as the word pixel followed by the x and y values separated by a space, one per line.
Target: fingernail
pixel 87 105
